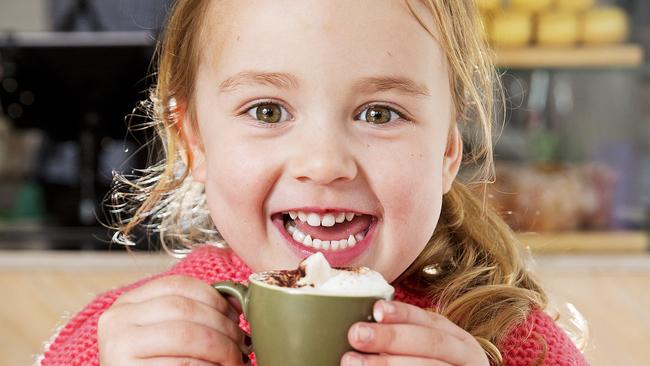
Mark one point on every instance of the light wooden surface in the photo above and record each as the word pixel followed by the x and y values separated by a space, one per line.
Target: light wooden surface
pixel 624 55
pixel 40 288
pixel 613 242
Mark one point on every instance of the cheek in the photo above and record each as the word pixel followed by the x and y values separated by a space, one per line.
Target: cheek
pixel 410 191
pixel 410 188
pixel 413 207
pixel 238 180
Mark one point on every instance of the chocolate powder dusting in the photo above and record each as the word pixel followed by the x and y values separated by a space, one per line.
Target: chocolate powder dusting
pixel 357 270
pixel 289 278
pixel 282 278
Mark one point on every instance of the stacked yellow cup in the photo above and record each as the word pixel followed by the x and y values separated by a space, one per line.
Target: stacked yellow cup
pixel 519 23
pixel 605 25
pixel 560 25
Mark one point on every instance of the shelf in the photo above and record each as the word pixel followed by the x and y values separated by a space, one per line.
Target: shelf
pixel 626 55
pixel 76 39
pixel 35 236
pixel 606 242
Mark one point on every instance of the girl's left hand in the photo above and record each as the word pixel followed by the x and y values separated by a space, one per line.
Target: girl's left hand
pixel 407 335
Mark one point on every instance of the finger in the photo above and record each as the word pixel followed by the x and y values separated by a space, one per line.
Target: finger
pixel 357 359
pixel 178 285
pixel 182 339
pixel 179 308
pixel 408 340
pixel 235 304
pixel 175 361
pixel 399 312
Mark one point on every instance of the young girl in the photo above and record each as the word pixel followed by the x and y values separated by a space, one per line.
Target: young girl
pixel 291 127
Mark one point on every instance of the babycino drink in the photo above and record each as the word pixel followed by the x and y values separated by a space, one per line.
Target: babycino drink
pixel 315 276
pixel 302 316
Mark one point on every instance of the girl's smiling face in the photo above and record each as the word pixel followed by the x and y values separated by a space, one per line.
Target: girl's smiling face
pixel 325 107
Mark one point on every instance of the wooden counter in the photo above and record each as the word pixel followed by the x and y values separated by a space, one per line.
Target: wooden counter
pixel 585 242
pixel 40 288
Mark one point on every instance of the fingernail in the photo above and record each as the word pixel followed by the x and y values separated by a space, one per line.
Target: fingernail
pixel 381 309
pixel 378 313
pixel 389 308
pixel 363 334
pixel 247 340
pixel 352 359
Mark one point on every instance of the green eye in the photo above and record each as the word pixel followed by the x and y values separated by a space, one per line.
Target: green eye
pixel 378 114
pixel 266 112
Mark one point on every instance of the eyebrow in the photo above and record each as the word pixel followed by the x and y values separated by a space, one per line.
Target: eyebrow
pixel 286 81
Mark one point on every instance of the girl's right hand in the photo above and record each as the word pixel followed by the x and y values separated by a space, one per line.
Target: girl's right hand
pixel 173 320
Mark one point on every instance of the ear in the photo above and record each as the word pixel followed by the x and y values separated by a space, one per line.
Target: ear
pixel 195 157
pixel 452 159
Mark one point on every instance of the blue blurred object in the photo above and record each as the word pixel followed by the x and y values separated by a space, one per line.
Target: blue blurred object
pixel 102 15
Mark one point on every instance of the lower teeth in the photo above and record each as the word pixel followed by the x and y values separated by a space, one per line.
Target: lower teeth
pixel 333 245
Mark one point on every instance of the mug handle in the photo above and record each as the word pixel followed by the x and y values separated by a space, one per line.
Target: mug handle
pixel 236 290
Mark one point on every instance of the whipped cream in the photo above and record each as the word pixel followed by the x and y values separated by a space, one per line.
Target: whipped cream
pixel 320 278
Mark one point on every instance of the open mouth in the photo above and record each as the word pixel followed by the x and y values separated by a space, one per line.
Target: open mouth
pixel 340 236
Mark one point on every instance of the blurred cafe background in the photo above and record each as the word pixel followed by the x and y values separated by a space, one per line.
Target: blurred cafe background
pixel 573 159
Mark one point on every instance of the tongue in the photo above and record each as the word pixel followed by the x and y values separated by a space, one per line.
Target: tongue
pixel 338 231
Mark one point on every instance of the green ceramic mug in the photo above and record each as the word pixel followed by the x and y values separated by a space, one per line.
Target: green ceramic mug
pixel 290 328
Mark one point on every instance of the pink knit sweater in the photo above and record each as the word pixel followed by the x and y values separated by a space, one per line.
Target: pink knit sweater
pixel 76 342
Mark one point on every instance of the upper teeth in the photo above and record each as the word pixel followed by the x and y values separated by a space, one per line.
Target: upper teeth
pixel 328 220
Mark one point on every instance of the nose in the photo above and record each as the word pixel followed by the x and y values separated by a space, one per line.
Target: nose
pixel 322 157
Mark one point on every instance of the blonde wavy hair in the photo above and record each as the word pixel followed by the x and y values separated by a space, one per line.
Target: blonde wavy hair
pixel 471 267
